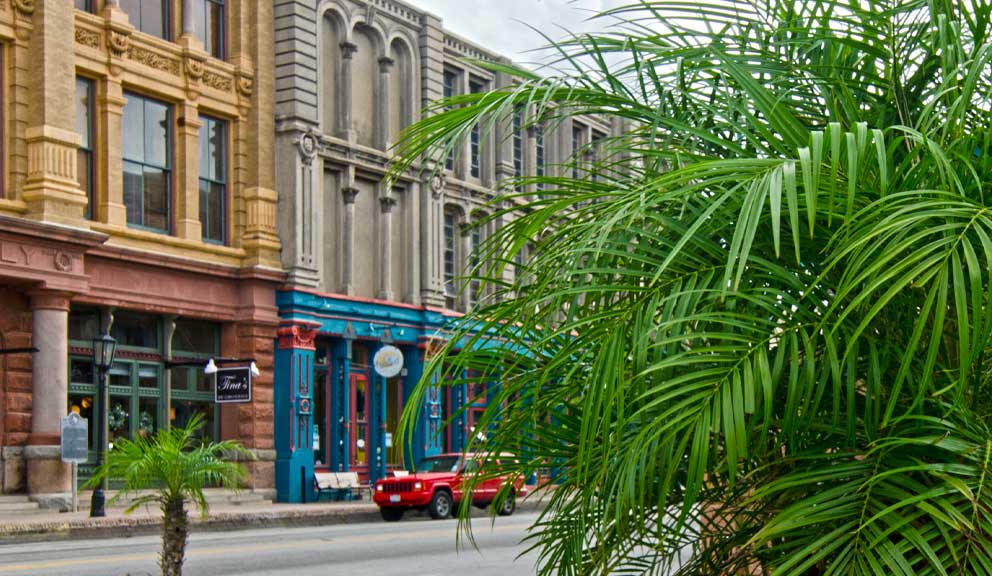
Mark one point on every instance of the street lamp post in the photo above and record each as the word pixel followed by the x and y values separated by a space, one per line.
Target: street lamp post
pixel 104 349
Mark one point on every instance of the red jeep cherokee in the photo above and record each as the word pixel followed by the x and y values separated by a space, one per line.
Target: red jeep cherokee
pixel 436 487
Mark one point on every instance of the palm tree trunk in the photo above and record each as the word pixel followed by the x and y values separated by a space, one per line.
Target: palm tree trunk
pixel 175 531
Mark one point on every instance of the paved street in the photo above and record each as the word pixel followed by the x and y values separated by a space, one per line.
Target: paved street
pixel 413 547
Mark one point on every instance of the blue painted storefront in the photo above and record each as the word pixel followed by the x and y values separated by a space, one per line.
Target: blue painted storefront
pixel 332 411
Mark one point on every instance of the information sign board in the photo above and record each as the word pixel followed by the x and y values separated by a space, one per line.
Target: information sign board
pixel 233 385
pixel 75 439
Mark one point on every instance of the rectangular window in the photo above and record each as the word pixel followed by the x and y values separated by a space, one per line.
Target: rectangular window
pixel 84 127
pixel 448 90
pixel 148 16
pixel 449 254
pixel 475 284
pixel 539 156
pixel 84 5
pixel 576 148
pixel 208 25
pixel 147 143
pixel 475 165
pixel 518 145
pixel 596 150
pixel 213 179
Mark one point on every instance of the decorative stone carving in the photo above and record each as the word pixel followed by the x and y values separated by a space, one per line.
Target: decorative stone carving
pixel 217 82
pixel 153 60
pixel 63 261
pixel 309 146
pixel 386 203
pixel 118 41
pixel 386 64
pixel 194 68
pixel 349 194
pixel 25 7
pixel 438 182
pixel 370 13
pixel 246 84
pixel 298 336
pixel 348 50
pixel 88 38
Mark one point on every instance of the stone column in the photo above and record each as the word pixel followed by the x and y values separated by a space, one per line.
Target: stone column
pixel 51 190
pixel 168 330
pixel 187 197
pixel 49 480
pixel 188 26
pixel 348 250
pixel 386 248
pixel 347 132
pixel 382 107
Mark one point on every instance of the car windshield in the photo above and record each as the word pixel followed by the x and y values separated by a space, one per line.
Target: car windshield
pixel 439 464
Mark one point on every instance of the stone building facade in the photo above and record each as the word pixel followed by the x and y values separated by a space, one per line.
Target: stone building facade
pixel 369 264
pixel 138 197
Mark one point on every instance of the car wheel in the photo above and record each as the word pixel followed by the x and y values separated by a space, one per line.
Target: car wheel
pixel 391 514
pixel 509 505
pixel 440 506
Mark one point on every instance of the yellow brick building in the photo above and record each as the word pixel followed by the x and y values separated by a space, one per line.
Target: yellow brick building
pixel 136 197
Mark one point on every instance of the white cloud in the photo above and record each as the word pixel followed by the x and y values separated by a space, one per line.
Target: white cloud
pixel 499 25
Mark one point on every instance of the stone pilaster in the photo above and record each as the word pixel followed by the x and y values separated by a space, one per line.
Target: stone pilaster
pixel 51 190
pixel 110 174
pixel 462 269
pixel 432 220
pixel 187 195
pixel 413 246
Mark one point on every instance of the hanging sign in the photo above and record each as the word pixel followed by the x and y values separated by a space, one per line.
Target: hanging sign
pixel 233 385
pixel 388 361
pixel 75 438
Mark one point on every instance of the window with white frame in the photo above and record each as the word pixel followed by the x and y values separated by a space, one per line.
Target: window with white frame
pixel 147 146
pixel 213 179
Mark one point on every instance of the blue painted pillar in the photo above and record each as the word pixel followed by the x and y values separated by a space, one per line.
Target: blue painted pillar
pixel 377 462
pixel 413 449
pixel 293 405
pixel 340 394
pixel 434 418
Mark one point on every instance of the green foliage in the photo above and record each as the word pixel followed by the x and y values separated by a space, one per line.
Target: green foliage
pixel 753 336
pixel 175 463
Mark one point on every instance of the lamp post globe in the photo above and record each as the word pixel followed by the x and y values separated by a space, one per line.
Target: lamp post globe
pixel 104 348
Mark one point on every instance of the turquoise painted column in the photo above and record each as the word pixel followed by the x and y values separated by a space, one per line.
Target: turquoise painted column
pixel 293 405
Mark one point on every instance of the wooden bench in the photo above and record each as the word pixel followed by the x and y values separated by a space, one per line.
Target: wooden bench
pixel 339 485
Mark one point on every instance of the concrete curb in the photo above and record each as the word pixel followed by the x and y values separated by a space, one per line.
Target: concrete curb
pixel 142 525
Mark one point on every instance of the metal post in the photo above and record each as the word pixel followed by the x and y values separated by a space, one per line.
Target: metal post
pixel 98 499
pixel 75 493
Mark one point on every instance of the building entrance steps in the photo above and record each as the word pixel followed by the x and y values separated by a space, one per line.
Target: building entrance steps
pixel 14 505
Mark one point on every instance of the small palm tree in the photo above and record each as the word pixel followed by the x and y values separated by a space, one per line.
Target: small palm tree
pixel 177 465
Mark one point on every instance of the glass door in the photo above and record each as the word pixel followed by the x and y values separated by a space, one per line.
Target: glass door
pixel 360 423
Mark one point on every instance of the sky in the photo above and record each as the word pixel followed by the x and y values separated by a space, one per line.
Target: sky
pixel 495 24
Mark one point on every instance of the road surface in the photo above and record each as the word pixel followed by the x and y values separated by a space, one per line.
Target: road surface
pixel 412 547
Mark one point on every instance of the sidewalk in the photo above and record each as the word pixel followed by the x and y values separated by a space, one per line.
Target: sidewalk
pixel 52 526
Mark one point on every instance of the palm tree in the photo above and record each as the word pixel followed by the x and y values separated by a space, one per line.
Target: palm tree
pixel 754 336
pixel 176 465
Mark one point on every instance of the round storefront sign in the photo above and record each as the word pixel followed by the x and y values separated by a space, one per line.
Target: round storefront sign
pixel 388 361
